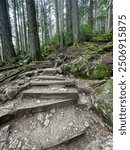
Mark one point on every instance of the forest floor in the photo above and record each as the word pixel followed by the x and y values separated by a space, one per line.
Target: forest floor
pixel 42 108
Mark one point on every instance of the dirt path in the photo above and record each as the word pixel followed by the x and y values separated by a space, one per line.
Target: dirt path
pixel 49 115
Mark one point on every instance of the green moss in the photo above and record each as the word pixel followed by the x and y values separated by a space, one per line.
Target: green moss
pixel 100 71
pixel 66 69
pixel 103 101
pixel 91 47
pixel 105 109
pixel 47 50
pixel 78 69
pixel 108 47
pixel 2 63
pixel 102 37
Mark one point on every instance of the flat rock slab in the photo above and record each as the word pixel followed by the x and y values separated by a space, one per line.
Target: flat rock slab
pixel 6 112
pixel 4 133
pixel 32 106
pixel 50 71
pixel 49 83
pixel 50 78
pixel 42 64
pixel 47 129
pixel 35 105
pixel 50 92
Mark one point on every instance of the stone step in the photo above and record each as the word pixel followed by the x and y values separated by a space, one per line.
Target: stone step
pixel 42 64
pixel 52 83
pixel 50 93
pixel 47 129
pixel 50 71
pixel 54 78
pixel 33 106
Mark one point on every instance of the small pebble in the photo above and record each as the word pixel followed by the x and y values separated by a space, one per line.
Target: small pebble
pixel 47 122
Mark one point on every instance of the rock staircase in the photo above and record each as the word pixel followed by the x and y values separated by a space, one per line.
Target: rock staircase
pixel 46 115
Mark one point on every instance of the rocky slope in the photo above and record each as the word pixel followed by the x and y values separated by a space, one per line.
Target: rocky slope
pixel 42 109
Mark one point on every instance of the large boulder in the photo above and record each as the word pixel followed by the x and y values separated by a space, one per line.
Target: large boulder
pixel 94 63
pixel 101 144
pixel 102 100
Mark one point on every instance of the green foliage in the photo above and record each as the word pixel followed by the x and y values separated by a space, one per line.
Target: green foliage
pixel 91 46
pixel 86 29
pixel 50 46
pixel 2 63
pixel 90 65
pixel 53 41
pixel 108 46
pixel 67 38
pixel 102 37
pixel 47 50
pixel 100 71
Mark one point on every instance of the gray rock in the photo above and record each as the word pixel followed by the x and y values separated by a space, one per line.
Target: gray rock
pixel 2 144
pixel 47 122
pixel 53 110
pixel 19 144
pixel 13 144
pixel 10 92
pixel 25 147
pixel 4 133
pixel 101 144
pixel 102 99
pixel 40 118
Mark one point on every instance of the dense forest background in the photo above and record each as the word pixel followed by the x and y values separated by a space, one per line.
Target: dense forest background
pixel 36 28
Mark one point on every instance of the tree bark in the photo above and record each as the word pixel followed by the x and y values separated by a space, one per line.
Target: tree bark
pixel 24 27
pixel 68 16
pixel 57 20
pixel 46 32
pixel 110 17
pixel 75 20
pixel 90 16
pixel 33 31
pixel 5 32
pixel 16 26
pixel 61 6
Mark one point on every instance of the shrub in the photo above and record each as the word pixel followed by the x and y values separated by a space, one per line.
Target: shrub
pixel 86 29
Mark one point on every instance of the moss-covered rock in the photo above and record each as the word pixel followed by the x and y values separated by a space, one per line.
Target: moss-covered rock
pixel 95 63
pixel 10 93
pixel 100 71
pixel 108 47
pixel 87 68
pixel 91 47
pixel 102 99
pixel 102 37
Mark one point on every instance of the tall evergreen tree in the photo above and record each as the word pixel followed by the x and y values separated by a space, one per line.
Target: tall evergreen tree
pixel 75 20
pixel 33 31
pixel 5 32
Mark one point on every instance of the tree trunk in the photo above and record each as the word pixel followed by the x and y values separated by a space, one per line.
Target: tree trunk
pixel 24 27
pixel 61 6
pixel 5 32
pixel 57 19
pixel 50 21
pixel 16 27
pixel 33 31
pixel 90 16
pixel 68 16
pixel 110 17
pixel 75 20
pixel 46 32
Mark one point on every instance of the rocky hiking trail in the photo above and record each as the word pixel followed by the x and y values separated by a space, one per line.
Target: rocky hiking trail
pixel 49 113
